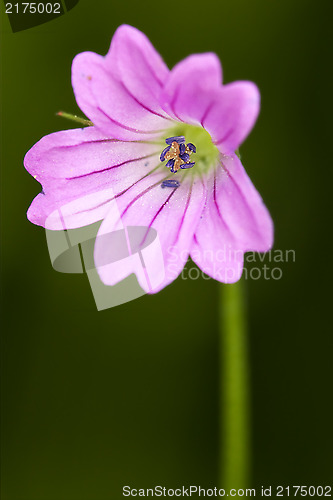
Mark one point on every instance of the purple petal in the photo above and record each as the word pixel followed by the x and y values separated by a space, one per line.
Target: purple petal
pixel 188 89
pixel 193 93
pixel 108 104
pixel 217 257
pixel 78 170
pixel 148 205
pixel 232 115
pixel 135 62
pixel 234 221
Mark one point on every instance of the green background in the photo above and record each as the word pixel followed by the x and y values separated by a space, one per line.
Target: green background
pixel 93 401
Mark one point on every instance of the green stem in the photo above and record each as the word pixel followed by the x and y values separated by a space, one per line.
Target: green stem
pixel 75 118
pixel 234 410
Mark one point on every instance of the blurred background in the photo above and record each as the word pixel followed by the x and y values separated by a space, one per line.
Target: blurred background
pixel 93 401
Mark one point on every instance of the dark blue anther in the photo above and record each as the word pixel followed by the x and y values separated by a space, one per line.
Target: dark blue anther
pixel 180 139
pixel 185 157
pixel 192 147
pixel 169 183
pixel 164 152
pixel 187 165
pixel 182 148
pixel 170 164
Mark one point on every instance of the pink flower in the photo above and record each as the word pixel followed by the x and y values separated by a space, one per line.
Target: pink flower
pixel 205 207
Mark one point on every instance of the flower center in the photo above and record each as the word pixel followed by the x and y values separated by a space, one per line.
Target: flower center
pixel 178 153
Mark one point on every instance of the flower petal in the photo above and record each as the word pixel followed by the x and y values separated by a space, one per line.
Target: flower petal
pixel 108 104
pixel 234 221
pixel 188 90
pixel 134 61
pixel 215 255
pixel 172 212
pixel 232 114
pixel 81 169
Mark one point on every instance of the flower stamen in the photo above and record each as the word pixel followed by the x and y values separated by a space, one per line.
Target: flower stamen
pixel 170 183
pixel 177 153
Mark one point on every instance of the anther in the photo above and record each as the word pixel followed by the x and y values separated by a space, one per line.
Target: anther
pixel 180 139
pixel 192 147
pixel 185 157
pixel 164 152
pixel 187 165
pixel 170 183
pixel 170 163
